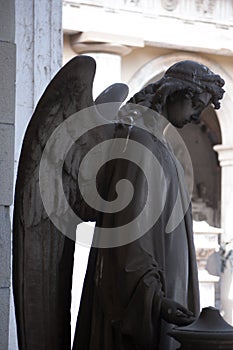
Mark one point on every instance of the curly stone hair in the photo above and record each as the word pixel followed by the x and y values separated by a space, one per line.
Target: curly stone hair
pixel 188 76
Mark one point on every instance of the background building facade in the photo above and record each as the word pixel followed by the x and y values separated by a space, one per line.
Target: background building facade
pixel 135 42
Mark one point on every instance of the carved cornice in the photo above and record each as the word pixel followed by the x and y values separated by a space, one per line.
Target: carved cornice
pixel 102 42
pixel 112 48
pixel 225 154
pixel 216 11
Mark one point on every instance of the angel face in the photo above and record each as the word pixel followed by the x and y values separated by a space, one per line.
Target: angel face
pixel 183 108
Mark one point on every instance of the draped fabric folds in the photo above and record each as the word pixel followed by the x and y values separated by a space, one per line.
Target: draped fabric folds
pixel 124 286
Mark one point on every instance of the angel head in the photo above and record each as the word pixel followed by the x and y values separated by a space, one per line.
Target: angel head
pixel 184 91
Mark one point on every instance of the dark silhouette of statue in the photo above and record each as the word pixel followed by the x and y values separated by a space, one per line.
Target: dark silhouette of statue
pixel 133 292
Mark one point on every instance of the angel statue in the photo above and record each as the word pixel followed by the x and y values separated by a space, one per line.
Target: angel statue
pixel 108 162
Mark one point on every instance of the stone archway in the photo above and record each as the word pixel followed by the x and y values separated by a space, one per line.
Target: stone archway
pixel 155 68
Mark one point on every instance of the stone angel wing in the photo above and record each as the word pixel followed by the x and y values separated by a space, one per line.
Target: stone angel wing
pixel 42 255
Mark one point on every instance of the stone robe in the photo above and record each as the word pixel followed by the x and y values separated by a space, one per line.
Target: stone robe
pixel 124 286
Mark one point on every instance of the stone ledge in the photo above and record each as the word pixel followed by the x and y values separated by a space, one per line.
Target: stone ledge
pixel 150 30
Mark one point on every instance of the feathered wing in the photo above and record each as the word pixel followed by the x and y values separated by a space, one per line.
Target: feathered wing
pixel 42 255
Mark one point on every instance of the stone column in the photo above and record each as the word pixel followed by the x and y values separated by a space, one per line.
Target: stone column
pixel 225 155
pixel 108 59
pixel 39 56
pixel 7 120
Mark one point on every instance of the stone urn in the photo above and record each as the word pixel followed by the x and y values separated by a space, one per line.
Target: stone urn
pixel 208 332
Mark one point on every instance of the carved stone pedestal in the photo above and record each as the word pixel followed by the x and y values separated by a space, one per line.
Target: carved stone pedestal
pixel 208 332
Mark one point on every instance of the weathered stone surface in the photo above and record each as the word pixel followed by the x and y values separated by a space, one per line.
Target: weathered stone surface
pixel 4 324
pixel 5 247
pixel 7 21
pixel 6 163
pixel 7 73
pixel 7 118
pixel 39 56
